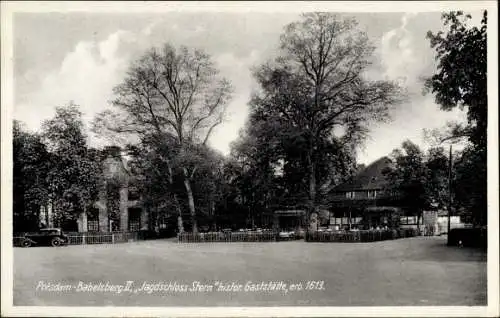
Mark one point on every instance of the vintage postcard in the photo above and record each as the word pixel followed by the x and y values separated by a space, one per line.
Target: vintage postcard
pixel 250 159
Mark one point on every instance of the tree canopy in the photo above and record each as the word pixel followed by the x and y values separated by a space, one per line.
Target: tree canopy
pixel 73 179
pixel 31 163
pixel 174 93
pixel 420 180
pixel 315 99
pixel 308 117
pixel 461 77
pixel 461 81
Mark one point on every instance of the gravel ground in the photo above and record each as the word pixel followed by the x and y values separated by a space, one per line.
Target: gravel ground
pixel 419 271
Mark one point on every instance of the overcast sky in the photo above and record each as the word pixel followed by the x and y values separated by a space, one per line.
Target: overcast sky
pixel 80 57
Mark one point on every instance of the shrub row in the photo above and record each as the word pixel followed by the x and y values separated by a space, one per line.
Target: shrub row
pixel 359 236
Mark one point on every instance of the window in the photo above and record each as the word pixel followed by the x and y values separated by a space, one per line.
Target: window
pixel 356 220
pixel 345 220
pixel 114 225
pixel 134 219
pixel 133 194
pixel 93 226
pixel 335 220
pixel 393 193
pixel 49 232
pixel 93 220
pixel 163 222
pixel 350 195
pixel 372 193
pixel 408 220
pixel 134 225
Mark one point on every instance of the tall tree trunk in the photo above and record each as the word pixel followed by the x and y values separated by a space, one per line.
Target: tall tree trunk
pixel 212 213
pixel 187 185
pixel 312 189
pixel 180 223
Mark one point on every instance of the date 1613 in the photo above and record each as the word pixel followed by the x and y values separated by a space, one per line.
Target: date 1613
pixel 315 285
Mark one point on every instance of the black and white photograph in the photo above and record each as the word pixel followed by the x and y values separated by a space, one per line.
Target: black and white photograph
pixel 250 159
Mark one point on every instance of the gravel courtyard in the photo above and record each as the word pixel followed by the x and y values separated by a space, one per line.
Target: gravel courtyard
pixel 419 271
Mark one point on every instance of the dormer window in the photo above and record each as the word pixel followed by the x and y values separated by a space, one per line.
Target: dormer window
pixel 372 194
pixel 350 195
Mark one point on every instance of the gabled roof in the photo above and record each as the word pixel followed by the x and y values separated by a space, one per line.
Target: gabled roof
pixel 370 178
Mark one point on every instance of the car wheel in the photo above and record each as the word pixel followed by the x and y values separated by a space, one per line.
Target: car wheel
pixel 56 242
pixel 26 243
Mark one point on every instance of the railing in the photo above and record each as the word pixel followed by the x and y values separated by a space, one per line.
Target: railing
pixel 268 236
pixel 102 238
pixel 77 238
pixel 213 237
pixel 359 236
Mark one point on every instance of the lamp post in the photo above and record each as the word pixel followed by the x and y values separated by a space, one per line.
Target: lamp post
pixel 449 192
pixel 450 196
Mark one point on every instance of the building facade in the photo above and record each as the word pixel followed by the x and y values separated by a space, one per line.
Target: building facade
pixel 364 201
pixel 119 206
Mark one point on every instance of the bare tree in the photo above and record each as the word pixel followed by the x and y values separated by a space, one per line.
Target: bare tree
pixel 171 92
pixel 318 84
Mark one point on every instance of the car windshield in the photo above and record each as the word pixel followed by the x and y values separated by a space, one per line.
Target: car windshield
pixel 50 231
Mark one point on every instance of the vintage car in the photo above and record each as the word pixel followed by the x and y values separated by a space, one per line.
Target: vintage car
pixel 48 237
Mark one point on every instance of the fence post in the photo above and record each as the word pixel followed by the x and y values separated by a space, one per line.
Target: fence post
pixel 113 238
pixel 83 239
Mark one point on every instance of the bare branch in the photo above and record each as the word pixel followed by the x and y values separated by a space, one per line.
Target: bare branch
pixel 218 122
